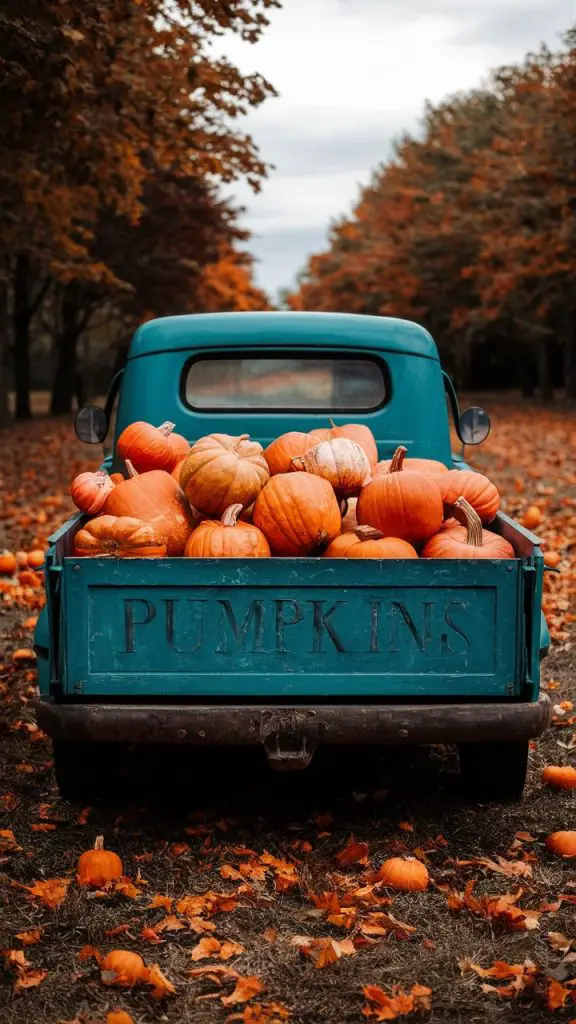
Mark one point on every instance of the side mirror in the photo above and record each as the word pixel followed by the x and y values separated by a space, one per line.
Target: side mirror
pixel 91 424
pixel 474 425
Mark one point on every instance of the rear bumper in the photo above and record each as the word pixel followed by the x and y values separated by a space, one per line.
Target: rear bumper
pixel 283 725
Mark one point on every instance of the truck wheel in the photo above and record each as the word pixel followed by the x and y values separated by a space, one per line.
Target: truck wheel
pixel 86 770
pixel 494 771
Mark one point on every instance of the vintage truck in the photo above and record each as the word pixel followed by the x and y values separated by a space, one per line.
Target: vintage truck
pixel 286 653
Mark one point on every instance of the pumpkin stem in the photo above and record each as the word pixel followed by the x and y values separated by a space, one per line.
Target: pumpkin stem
pixel 129 466
pixel 298 463
pixel 99 843
pixel 465 514
pixel 368 533
pixel 398 459
pixel 166 428
pixel 240 438
pixel 332 424
pixel 230 517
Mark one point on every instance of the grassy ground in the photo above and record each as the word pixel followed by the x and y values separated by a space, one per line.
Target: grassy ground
pixel 187 827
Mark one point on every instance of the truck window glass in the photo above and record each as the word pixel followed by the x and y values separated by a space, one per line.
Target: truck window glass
pixel 274 383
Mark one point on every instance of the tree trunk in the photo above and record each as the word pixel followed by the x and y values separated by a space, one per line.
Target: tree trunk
pixel 526 372
pixel 65 383
pixel 4 409
pixel 544 375
pixel 21 339
pixel 567 337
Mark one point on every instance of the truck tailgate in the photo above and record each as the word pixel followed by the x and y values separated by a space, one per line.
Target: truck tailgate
pixel 180 628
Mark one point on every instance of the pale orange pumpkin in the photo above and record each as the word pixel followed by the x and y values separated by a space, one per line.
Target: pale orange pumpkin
pixel 280 453
pixel 468 540
pixel 431 467
pixel 559 776
pixel 97 867
pixel 227 538
pixel 221 470
pixel 156 498
pixel 406 873
pixel 122 967
pixel 90 490
pixel 401 503
pixel 147 447
pixel 478 490
pixel 355 432
pixel 365 542
pixel 298 514
pixel 8 563
pixel 342 462
pixel 563 843
pixel 119 537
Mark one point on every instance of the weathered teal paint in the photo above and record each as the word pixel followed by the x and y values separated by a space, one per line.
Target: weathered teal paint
pixel 415 415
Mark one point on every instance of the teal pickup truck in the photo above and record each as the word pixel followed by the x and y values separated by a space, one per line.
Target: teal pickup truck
pixel 283 653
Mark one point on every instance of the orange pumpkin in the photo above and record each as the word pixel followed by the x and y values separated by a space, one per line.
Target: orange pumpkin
pixel 178 469
pixel 35 559
pixel 179 445
pixel 119 1017
pixel 221 470
pixel 147 447
pixel 559 776
pixel 227 538
pixel 117 478
pixel 364 542
pixel 122 967
pixel 90 490
pixel 343 463
pixel 405 873
pixel 429 466
pixel 119 537
pixel 98 867
pixel 280 453
pixel 355 432
pixel 563 843
pixel 298 514
pixel 155 498
pixel 478 490
pixel 532 517
pixel 8 563
pixel 401 503
pixel 468 540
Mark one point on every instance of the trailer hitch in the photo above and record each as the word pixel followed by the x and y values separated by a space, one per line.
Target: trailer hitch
pixel 290 738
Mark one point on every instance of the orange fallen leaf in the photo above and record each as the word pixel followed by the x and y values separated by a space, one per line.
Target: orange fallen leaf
pixel 399 1003
pixel 30 938
pixel 51 892
pixel 353 853
pixel 406 826
pixel 149 935
pixel 160 901
pixel 161 985
pixel 29 979
pixel 207 947
pixel 171 923
pixel 245 989
pixel 262 1013
pixel 560 942
pixel 323 951
pixel 44 826
pixel 89 953
pixel 8 842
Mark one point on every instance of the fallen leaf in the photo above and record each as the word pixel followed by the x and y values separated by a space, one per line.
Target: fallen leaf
pixel 353 853
pixel 31 937
pixel 559 941
pixel 29 979
pixel 245 989
pixel 161 986
pixel 207 947
pixel 323 951
pixel 160 901
pixel 171 923
pixel 398 1003
pixel 8 842
pixel 51 892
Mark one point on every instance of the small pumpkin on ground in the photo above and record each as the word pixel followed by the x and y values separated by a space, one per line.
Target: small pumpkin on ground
pixel 156 498
pixel 227 538
pixel 90 490
pixel 478 490
pixel 431 467
pixel 98 867
pixel 559 776
pixel 280 453
pixel 119 537
pixel 298 514
pixel 401 503
pixel 468 540
pixel 342 462
pixel 35 559
pixel 221 470
pixel 354 432
pixel 124 968
pixel 8 563
pixel 406 873
pixel 562 843
pixel 147 447
pixel 365 542
pixel 532 517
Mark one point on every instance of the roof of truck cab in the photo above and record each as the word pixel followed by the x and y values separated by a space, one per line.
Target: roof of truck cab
pixel 269 329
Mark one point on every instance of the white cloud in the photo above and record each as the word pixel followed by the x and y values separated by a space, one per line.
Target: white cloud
pixel 352 75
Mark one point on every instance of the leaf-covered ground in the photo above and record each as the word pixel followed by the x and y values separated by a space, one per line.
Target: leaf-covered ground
pixel 245 888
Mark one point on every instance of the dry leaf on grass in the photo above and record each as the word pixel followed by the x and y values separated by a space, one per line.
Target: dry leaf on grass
pixel 382 1006
pixel 245 989
pixel 161 986
pixel 261 1013
pixel 31 937
pixel 323 951
pixel 496 908
pixel 211 947
pixel 518 976
pixel 171 923
pixel 51 892
pixel 353 853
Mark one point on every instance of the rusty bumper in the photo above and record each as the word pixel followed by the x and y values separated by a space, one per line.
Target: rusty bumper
pixel 284 727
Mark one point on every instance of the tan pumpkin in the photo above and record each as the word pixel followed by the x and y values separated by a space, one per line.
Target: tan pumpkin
pixel 280 453
pixel 401 503
pixel 147 447
pixel 155 498
pixel 90 490
pixel 221 470
pixel 476 488
pixel 123 968
pixel 429 466
pixel 354 432
pixel 405 873
pixel 365 542
pixel 343 463
pixel 97 867
pixel 119 537
pixel 468 540
pixel 227 538
pixel 298 514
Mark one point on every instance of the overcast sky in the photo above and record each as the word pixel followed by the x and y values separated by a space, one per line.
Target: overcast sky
pixel 352 75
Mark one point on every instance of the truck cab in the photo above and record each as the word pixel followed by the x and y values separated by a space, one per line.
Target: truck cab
pixel 287 653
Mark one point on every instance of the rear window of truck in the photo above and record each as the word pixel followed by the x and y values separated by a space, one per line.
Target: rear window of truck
pixel 324 384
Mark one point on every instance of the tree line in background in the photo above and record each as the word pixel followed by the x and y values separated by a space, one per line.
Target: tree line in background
pixel 116 133
pixel 470 229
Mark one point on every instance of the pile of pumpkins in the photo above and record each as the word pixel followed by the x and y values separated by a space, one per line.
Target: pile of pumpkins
pixel 305 495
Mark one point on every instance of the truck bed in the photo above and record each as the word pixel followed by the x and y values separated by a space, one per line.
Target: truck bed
pixel 292 629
